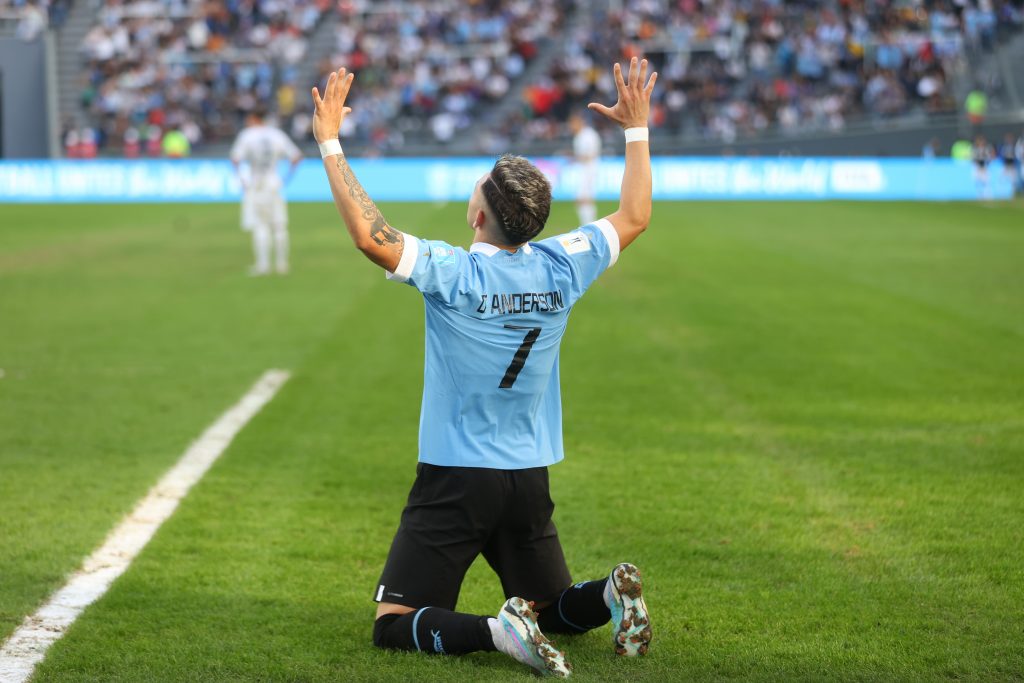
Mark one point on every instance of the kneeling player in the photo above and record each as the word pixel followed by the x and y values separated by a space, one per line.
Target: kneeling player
pixel 491 412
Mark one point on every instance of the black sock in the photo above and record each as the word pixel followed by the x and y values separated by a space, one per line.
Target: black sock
pixel 578 609
pixel 433 630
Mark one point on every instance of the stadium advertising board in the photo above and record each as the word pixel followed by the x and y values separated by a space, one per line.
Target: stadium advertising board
pixel 452 179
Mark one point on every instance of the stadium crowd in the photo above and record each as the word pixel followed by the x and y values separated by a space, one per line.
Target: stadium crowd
pixel 188 65
pixel 436 61
pixel 738 67
pixel 199 68
pixel 729 68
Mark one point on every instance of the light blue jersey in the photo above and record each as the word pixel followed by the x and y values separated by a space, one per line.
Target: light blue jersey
pixel 494 324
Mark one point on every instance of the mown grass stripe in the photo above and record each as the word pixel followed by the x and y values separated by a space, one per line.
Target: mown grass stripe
pixel 28 644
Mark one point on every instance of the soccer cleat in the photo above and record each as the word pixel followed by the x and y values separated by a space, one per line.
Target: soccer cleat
pixel 521 639
pixel 631 623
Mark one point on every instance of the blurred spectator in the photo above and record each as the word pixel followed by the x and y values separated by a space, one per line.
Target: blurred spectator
pixel 176 145
pixel 976 106
pixel 961 150
pixel 34 20
pixel 132 146
pixel 80 143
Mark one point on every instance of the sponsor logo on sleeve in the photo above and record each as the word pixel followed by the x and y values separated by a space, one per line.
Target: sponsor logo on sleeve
pixel 575 242
pixel 443 256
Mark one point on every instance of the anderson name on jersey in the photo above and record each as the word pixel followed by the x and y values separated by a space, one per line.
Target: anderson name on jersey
pixel 494 324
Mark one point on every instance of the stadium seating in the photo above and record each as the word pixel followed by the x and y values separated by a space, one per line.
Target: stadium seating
pixel 429 65
pixel 510 71
pixel 194 66
pixel 732 68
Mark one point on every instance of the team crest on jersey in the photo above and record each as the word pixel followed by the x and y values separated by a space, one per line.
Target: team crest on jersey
pixel 575 242
pixel 443 256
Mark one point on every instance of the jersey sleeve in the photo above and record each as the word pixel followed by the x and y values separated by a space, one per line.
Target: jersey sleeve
pixel 434 268
pixel 589 250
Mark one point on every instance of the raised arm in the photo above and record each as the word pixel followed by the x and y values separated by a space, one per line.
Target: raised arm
pixel 371 234
pixel 631 111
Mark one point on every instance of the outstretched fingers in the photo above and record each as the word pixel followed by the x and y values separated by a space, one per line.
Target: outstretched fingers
pixel 620 85
pixel 329 88
pixel 650 84
pixel 634 68
pixel 346 84
pixel 336 91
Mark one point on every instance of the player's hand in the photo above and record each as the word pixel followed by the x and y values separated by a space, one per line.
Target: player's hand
pixel 634 105
pixel 330 110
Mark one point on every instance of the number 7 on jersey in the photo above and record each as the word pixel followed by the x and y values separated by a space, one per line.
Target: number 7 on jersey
pixel 519 359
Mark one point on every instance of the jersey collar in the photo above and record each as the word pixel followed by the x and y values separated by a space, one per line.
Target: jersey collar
pixel 490 250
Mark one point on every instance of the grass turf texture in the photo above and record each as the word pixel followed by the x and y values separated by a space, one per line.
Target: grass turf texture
pixel 804 422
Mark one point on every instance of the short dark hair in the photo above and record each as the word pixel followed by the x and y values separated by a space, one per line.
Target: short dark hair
pixel 520 197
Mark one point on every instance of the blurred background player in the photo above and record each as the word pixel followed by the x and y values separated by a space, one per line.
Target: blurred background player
pixel 1018 154
pixel 982 155
pixel 586 150
pixel 259 148
pixel 1007 154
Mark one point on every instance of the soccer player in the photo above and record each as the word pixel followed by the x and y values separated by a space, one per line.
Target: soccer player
pixel 491 414
pixel 264 212
pixel 1018 154
pixel 586 150
pixel 982 155
pixel 1007 154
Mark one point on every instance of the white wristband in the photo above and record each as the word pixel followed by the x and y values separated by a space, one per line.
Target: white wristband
pixel 329 148
pixel 636 135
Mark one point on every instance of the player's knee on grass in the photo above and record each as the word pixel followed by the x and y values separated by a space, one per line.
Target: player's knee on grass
pixel 381 628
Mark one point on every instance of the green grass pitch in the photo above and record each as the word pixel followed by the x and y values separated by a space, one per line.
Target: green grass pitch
pixel 804 422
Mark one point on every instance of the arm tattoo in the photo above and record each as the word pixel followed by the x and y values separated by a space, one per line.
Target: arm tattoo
pixel 380 231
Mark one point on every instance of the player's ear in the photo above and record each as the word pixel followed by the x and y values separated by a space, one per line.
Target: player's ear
pixel 479 221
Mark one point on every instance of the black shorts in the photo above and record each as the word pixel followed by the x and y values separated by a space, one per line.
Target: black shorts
pixel 457 513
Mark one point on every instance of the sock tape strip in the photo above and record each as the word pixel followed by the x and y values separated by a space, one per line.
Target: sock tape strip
pixel 415 620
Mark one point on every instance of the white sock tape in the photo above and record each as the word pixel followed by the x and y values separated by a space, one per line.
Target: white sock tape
pixel 329 148
pixel 636 135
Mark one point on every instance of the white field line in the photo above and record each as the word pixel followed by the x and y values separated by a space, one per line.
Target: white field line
pixel 27 646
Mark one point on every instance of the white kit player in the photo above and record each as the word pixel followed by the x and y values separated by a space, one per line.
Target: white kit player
pixel 255 155
pixel 586 149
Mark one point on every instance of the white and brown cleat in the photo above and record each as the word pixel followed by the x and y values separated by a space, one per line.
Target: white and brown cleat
pixel 523 641
pixel 631 622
